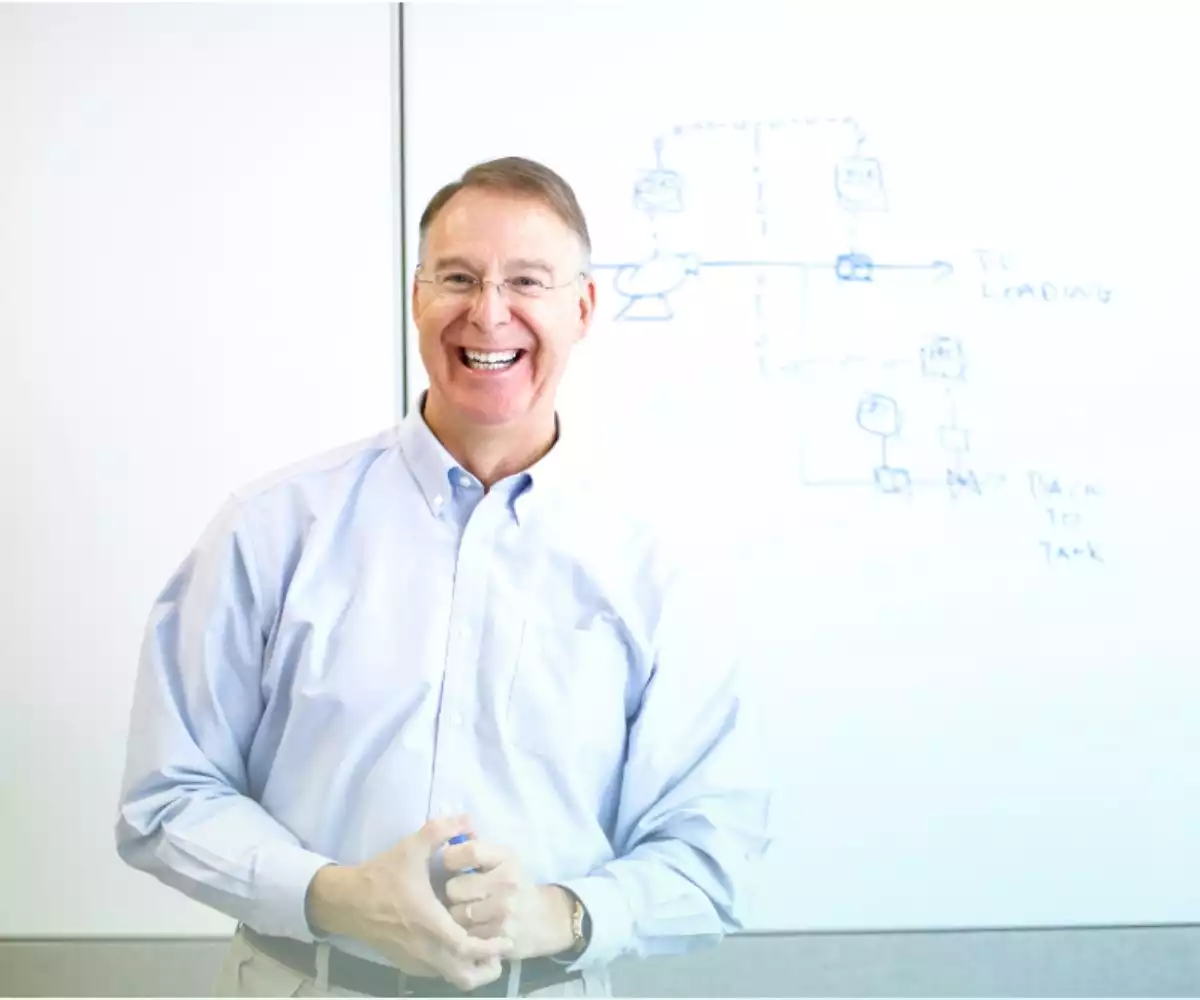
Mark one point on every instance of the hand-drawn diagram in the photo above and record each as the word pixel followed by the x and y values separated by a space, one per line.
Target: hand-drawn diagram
pixel 896 424
pixel 645 286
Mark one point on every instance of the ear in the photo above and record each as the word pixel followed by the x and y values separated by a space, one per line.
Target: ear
pixel 587 306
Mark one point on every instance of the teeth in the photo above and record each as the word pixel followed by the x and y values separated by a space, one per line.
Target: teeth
pixel 491 357
pixel 489 360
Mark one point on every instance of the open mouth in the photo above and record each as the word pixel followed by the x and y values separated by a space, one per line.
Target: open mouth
pixel 490 361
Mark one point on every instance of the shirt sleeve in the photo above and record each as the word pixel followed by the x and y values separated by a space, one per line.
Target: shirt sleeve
pixel 185 814
pixel 693 813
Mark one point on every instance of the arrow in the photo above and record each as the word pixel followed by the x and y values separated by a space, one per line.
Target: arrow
pixel 857 264
pixel 850 267
pixel 764 263
pixel 943 267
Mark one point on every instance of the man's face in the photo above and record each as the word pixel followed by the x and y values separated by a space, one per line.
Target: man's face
pixel 491 236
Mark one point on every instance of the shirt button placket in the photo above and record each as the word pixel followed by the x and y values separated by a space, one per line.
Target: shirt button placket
pixel 451 761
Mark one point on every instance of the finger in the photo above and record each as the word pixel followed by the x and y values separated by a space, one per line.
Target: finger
pixel 504 880
pixel 496 929
pixel 467 888
pixel 478 854
pixel 493 910
pixel 434 834
pixel 456 969
pixel 461 945
pixel 463 916
pixel 471 977
pixel 501 927
pixel 442 933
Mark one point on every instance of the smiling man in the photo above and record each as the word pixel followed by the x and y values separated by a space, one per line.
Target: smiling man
pixel 494 361
pixel 431 715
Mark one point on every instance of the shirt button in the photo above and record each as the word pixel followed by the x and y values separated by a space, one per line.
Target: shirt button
pixel 455 719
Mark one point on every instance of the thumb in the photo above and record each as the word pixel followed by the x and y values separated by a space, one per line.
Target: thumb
pixel 434 834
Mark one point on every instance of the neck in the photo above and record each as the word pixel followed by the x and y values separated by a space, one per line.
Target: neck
pixel 491 453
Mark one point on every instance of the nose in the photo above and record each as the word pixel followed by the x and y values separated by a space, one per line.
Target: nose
pixel 490 306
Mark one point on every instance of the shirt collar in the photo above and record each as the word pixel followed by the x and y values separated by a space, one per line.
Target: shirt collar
pixel 431 463
pixel 435 468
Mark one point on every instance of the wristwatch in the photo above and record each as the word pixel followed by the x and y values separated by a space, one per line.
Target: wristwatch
pixel 581 926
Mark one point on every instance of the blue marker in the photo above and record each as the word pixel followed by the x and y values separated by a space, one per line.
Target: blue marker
pixel 462 838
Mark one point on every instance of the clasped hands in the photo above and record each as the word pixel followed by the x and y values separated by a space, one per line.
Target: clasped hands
pixel 496 901
pixel 487 915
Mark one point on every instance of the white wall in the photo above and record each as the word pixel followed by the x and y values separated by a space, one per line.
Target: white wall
pixel 198 262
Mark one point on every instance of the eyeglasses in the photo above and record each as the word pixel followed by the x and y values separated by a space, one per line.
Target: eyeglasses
pixel 460 284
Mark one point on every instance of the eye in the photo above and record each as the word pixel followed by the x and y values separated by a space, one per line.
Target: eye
pixel 456 278
pixel 527 282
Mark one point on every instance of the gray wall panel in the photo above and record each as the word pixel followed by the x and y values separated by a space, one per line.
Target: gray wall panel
pixel 1061 963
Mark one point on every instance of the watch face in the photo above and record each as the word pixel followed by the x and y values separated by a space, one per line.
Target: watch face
pixel 579 925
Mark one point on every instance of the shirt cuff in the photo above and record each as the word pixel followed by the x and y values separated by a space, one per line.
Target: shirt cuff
pixel 612 923
pixel 282 876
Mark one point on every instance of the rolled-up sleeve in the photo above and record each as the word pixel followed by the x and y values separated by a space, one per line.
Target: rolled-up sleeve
pixel 693 814
pixel 185 814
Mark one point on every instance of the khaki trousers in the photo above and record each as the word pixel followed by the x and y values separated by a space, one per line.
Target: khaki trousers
pixel 247 972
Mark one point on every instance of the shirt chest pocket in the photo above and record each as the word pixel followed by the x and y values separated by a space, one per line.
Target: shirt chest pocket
pixel 568 690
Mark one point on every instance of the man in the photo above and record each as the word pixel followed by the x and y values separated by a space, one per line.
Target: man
pixel 431 714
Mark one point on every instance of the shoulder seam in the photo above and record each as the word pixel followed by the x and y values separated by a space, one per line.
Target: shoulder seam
pixel 323 461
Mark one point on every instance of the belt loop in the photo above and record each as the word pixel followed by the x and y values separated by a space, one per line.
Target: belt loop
pixel 322 961
pixel 402 989
pixel 514 978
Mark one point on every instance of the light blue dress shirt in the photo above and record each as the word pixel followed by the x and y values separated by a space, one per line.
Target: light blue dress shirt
pixel 367 639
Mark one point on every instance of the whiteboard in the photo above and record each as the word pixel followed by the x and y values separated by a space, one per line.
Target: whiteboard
pixel 897 315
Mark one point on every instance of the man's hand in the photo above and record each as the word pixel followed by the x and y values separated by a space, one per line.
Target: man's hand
pixel 498 901
pixel 389 903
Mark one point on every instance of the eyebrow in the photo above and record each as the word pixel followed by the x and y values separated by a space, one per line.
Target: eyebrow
pixel 527 263
pixel 523 263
